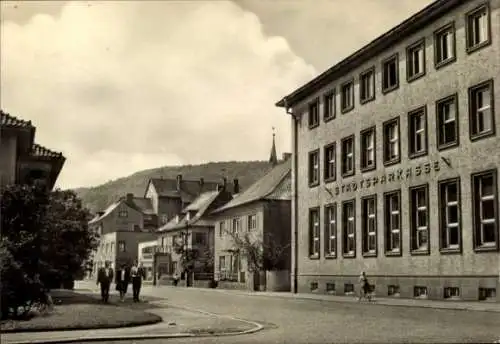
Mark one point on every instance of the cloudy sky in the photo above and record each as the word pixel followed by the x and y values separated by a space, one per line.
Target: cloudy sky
pixel 124 86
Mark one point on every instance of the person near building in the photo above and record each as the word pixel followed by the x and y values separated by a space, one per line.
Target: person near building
pixel 364 287
pixel 137 274
pixel 104 278
pixel 122 280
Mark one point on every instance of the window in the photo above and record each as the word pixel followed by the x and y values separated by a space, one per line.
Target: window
pixel 222 263
pixel 369 225
pixel 314 114
pixel 487 294
pixel 348 288
pixel 392 222
pixel 444 45
pixel 314 168
pixel 349 228
pixel 451 292
pixel 199 238
pixel 222 228
pixel 449 214
pixel 481 116
pixel 164 219
pixel 123 213
pixel 420 292
pixel 478 28
pixel 419 219
pixel 348 156
pixel 391 142
pixel 390 74
pixel 330 162
pixel 368 149
pixel 121 246
pixel 330 288
pixel 484 207
pixel 236 225
pixel 331 230
pixel 314 232
pixel 252 222
pixel 313 286
pixel 415 60
pixel 347 96
pixel 417 128
pixel 367 86
pixel 447 122
pixel 393 290
pixel 329 106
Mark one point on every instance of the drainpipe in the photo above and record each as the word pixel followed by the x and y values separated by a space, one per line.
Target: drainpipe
pixel 295 236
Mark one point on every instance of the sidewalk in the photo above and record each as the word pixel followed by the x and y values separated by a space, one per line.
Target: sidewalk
pixel 485 306
pixel 177 323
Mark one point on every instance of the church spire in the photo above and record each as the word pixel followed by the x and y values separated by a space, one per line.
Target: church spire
pixel 274 157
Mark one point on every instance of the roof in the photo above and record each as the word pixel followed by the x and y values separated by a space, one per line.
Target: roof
pixel 273 185
pixel 190 189
pixel 108 211
pixel 13 122
pixel 140 204
pixel 375 47
pixel 40 151
pixel 200 205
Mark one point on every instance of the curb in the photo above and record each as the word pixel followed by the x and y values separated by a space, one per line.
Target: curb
pixel 257 327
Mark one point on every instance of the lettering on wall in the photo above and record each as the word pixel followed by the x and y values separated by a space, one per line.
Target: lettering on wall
pixel 399 174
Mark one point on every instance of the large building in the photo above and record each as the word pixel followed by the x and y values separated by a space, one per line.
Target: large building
pixel 396 159
pixel 22 161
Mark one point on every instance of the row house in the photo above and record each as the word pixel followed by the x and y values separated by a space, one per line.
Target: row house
pixel 395 164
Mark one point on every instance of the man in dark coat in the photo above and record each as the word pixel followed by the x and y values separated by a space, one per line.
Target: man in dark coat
pixel 104 278
pixel 122 280
pixel 137 274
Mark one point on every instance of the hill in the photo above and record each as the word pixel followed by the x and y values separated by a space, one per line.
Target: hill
pixel 99 197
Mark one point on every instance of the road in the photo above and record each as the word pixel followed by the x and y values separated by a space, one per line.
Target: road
pixel 307 321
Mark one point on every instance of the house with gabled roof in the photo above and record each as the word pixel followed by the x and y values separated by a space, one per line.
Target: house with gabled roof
pixel 121 227
pixel 192 228
pixel 263 210
pixel 169 196
pixel 22 161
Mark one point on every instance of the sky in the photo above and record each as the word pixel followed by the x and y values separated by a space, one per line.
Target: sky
pixel 123 86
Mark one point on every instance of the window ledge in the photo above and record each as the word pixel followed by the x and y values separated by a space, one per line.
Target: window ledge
pixel 314 257
pixel 477 137
pixel 417 154
pixel 415 77
pixel 347 110
pixel 477 47
pixel 420 252
pixel 390 89
pixel 486 248
pixel 313 185
pixel 328 119
pixel 444 63
pixel 368 168
pixel 331 256
pixel 349 255
pixel 447 250
pixel 366 100
pixel 392 162
pixel 369 254
pixel 393 253
pixel 330 179
pixel 348 174
pixel 312 126
pixel 446 146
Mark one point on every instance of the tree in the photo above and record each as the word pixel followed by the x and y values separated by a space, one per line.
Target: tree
pixel 188 255
pixel 44 240
pixel 261 252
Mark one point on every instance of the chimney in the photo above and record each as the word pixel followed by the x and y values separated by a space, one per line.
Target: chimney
pixel 224 183
pixel 220 187
pixel 286 156
pixel 179 181
pixel 236 186
pixel 202 184
pixel 130 197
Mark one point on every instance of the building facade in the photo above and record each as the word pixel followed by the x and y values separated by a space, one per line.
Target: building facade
pixel 396 161
pixel 263 212
pixel 146 251
pixel 22 161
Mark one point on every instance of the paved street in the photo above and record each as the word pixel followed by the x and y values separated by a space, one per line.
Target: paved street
pixel 309 321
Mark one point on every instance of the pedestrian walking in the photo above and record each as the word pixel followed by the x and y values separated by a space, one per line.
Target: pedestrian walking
pixel 176 278
pixel 122 281
pixel 104 278
pixel 364 287
pixel 137 273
